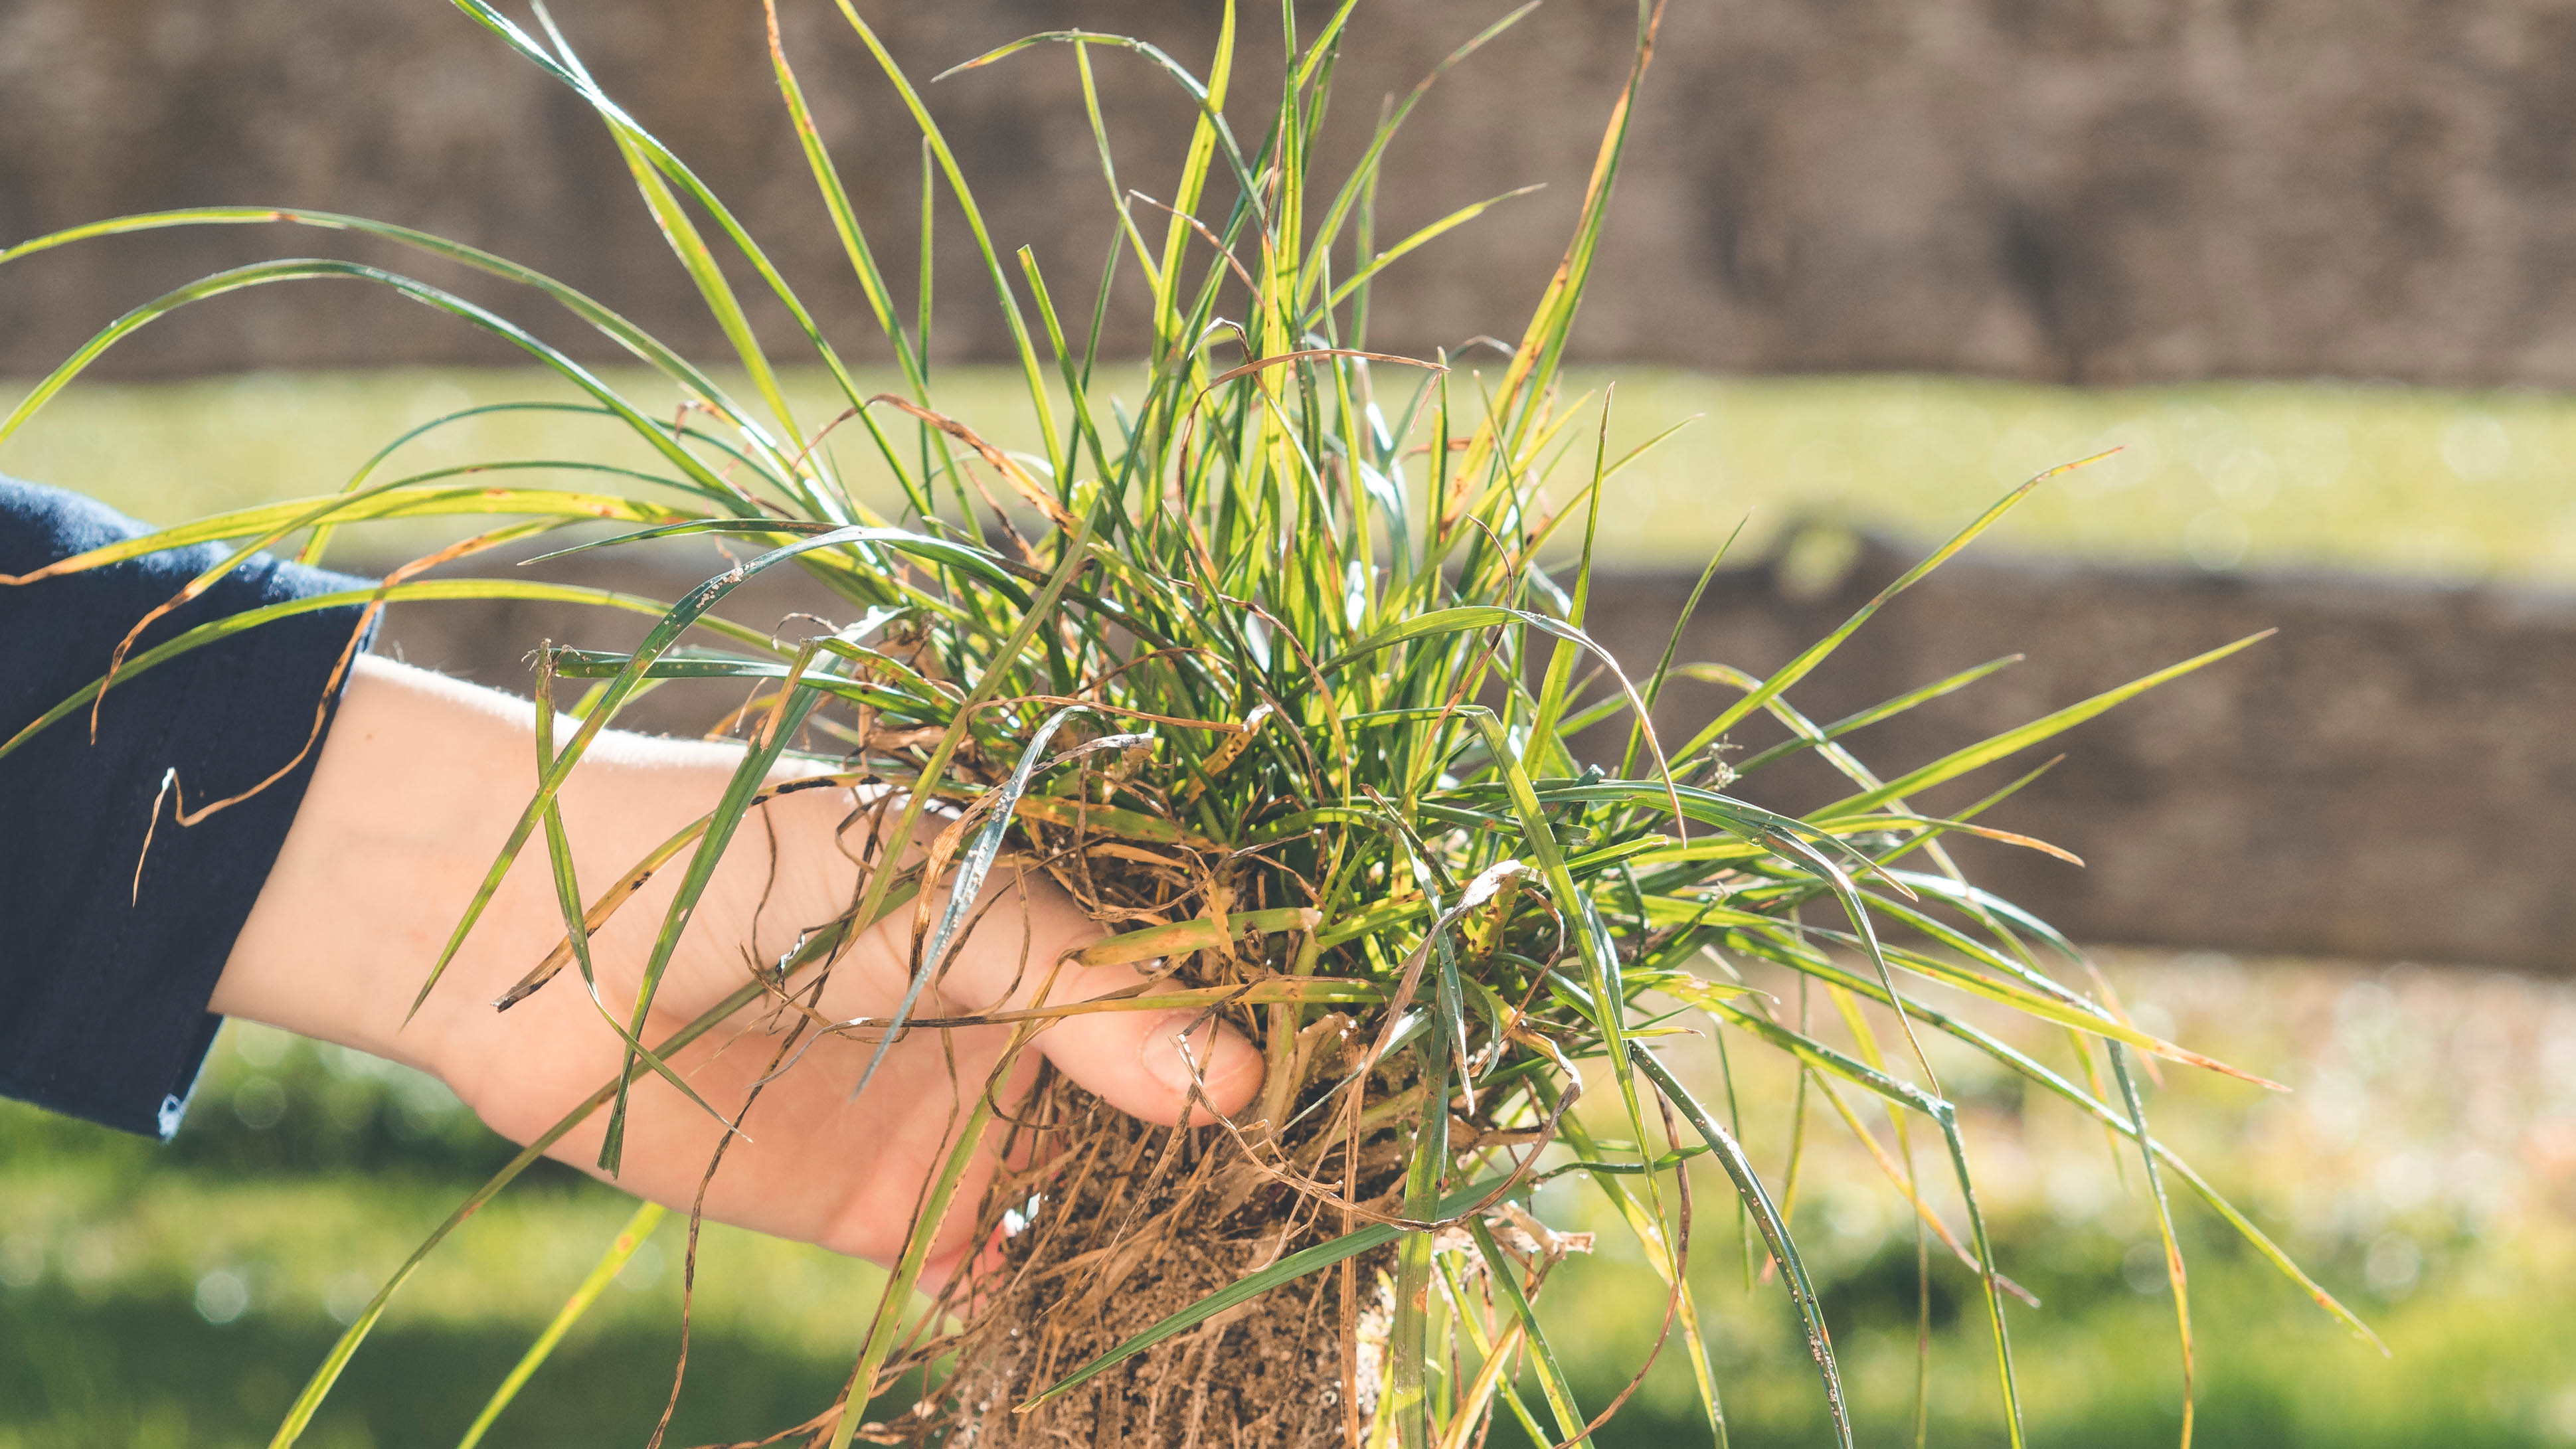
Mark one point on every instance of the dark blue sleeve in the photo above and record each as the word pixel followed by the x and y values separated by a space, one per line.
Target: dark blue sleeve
pixel 109 955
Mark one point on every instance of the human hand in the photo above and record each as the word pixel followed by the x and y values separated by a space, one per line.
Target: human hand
pixel 418 785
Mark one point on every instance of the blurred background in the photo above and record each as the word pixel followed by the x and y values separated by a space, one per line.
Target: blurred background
pixel 2309 267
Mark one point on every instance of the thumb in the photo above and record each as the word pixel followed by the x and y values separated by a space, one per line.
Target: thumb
pixel 1133 1061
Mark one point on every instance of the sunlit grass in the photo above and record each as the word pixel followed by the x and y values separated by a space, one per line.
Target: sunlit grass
pixel 292 1144
pixel 2425 1164
pixel 2412 482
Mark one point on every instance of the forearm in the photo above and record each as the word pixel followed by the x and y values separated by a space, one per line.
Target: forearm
pixel 418 787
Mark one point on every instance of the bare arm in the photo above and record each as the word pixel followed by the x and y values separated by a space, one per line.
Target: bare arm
pixel 418 786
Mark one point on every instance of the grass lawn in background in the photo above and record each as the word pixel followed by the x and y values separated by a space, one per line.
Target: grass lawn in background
pixel 2424 1166
pixel 2437 485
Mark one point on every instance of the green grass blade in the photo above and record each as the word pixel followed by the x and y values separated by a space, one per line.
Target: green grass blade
pixel 1363 177
pixel 419 591
pixel 568 899
pixel 967 885
pixel 610 324
pixel 1553 1384
pixel 1534 362
pixel 405 498
pixel 1960 762
pixel 676 620
pixel 629 134
pixel 1039 612
pixel 1673 642
pixel 1826 1061
pixel 845 221
pixel 1559 676
pixel 1863 719
pixel 1424 237
pixel 1408 1346
pixel 2175 1275
pixel 941 1191
pixel 622 1247
pixel 931 135
pixel 796 702
pixel 299 1415
pixel 1823 649
pixel 1775 1232
pixel 2119 1124
pixel 305 269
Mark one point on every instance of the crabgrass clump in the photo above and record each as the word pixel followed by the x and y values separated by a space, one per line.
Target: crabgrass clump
pixel 1279 668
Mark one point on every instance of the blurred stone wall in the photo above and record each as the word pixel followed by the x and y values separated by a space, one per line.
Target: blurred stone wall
pixel 2088 190
pixel 2385 778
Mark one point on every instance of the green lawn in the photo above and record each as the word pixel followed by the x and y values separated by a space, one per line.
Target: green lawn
pixel 2440 485
pixel 2424 1166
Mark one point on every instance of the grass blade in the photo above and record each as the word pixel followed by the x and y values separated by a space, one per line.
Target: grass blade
pixel 1960 762
pixel 1775 1232
pixel 622 1247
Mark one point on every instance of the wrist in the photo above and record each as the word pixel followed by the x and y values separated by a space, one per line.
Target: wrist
pixel 631 796
pixel 417 788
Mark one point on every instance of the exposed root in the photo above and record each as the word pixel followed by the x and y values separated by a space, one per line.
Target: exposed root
pixel 1127 1225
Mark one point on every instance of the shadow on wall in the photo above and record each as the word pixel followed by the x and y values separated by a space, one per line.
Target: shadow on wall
pixel 2386 778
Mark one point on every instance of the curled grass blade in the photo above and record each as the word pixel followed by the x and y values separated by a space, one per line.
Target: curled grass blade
pixel 962 893
pixel 1775 1231
pixel 900 837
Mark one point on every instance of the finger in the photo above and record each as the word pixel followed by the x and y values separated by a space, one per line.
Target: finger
pixel 1009 940
pixel 1134 1061
pixel 1008 944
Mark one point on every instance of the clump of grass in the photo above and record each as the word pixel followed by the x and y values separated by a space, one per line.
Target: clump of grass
pixel 1280 668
